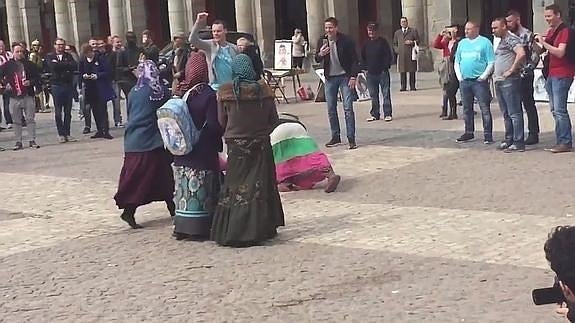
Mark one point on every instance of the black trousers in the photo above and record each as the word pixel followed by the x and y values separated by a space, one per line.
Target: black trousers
pixel 403 76
pixel 100 112
pixel 529 105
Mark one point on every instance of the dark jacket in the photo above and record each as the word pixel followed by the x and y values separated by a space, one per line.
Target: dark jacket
pixel 112 60
pixel 181 59
pixel 8 73
pixel 62 72
pixel 376 55
pixel 103 84
pixel 127 62
pixel 152 52
pixel 345 52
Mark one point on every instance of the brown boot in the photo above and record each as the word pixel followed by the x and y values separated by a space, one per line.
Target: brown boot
pixel 332 183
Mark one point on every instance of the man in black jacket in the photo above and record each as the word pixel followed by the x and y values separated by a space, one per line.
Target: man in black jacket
pixel 376 58
pixel 62 66
pixel 336 52
pixel 20 77
pixel 128 60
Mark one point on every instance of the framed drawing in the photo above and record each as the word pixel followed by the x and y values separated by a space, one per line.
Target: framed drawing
pixel 283 55
pixel 361 87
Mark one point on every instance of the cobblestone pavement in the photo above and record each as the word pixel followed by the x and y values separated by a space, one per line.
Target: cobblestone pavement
pixel 421 229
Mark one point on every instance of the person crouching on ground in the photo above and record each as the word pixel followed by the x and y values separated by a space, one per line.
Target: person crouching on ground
pixel 146 175
pixel 300 164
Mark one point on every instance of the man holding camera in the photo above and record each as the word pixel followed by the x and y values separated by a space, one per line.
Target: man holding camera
pixel 559 251
pixel 527 75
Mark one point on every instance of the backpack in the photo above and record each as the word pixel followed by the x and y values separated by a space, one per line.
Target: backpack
pixel 569 50
pixel 178 130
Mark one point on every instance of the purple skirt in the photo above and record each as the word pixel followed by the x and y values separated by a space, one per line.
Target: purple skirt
pixel 146 177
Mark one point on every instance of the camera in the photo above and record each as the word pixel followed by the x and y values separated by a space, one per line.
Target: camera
pixel 550 295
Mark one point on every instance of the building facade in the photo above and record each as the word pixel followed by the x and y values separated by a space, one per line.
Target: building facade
pixel 77 20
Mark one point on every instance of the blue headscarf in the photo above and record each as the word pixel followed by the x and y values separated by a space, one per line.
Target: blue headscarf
pixel 149 75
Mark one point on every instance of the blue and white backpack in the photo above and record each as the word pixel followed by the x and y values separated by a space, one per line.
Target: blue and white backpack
pixel 178 130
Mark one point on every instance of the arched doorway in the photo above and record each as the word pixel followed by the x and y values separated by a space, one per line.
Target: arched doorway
pixel 157 11
pixel 289 16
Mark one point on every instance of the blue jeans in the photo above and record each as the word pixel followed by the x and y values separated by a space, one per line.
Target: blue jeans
pixel 509 97
pixel 558 90
pixel 332 86
pixel 374 82
pixel 471 89
pixel 63 95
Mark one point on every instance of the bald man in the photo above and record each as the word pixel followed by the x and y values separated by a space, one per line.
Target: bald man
pixel 474 62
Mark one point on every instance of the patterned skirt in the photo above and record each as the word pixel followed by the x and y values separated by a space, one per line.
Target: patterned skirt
pixel 249 209
pixel 196 199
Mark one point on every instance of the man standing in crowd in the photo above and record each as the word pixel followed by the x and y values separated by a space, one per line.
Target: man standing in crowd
pixel 474 62
pixel 336 53
pixel 5 56
pixel 219 52
pixel 560 76
pixel 179 59
pixel 128 60
pixel 509 58
pixel 149 49
pixel 20 78
pixel 61 66
pixel 404 40
pixel 527 74
pixel 109 54
pixel 376 57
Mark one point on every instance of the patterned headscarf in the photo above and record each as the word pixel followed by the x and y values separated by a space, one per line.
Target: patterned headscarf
pixel 149 75
pixel 196 73
pixel 243 72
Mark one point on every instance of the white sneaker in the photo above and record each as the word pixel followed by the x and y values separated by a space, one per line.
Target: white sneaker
pixel 9 126
pixel 62 139
pixel 388 118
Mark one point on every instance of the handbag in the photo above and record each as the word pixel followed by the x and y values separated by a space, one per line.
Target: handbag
pixel 415 52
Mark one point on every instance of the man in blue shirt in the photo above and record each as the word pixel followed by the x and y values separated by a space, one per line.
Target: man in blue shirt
pixel 474 62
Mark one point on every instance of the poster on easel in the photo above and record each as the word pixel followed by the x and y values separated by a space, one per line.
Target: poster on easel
pixel 283 55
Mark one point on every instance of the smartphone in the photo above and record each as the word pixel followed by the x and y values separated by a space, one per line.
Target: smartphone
pixel 551 295
pixel 325 42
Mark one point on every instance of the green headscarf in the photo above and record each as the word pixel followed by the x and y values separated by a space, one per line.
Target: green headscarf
pixel 243 72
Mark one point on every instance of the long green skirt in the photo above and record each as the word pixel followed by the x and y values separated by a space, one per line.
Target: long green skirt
pixel 249 209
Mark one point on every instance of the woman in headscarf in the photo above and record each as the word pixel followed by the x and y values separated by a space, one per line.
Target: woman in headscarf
pixel 300 164
pixel 146 175
pixel 197 174
pixel 249 209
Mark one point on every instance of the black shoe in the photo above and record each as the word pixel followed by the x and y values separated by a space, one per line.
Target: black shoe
pixel 33 144
pixel 402 90
pixel 414 89
pixel 86 131
pixel 333 142
pixel 465 137
pixel 532 140
pixel 130 220
pixel 107 136
pixel 352 145
pixel 18 146
pixel 97 135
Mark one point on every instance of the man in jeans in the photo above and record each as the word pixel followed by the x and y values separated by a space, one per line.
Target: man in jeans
pixel 561 72
pixel 20 77
pixel 376 58
pixel 474 62
pixel 336 53
pixel 5 56
pixel 527 74
pixel 509 57
pixel 61 66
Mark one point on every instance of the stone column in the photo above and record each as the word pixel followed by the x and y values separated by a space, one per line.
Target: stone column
pixel 315 18
pixel 265 29
pixel 79 15
pixel 245 16
pixel 385 19
pixel 416 12
pixel 117 20
pixel 135 17
pixel 63 23
pixel 177 15
pixel 15 30
pixel 193 7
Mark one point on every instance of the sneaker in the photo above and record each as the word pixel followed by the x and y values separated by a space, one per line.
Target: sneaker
pixel 559 149
pixel 18 146
pixel 488 141
pixel 62 139
pixel 503 145
pixel 2 149
pixel 71 139
pixel 388 118
pixel 9 126
pixel 333 142
pixel 465 138
pixel 352 145
pixel 33 144
pixel 532 139
pixel 514 148
pixel 107 136
pixel 86 131
pixel 119 125
pixel 370 119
